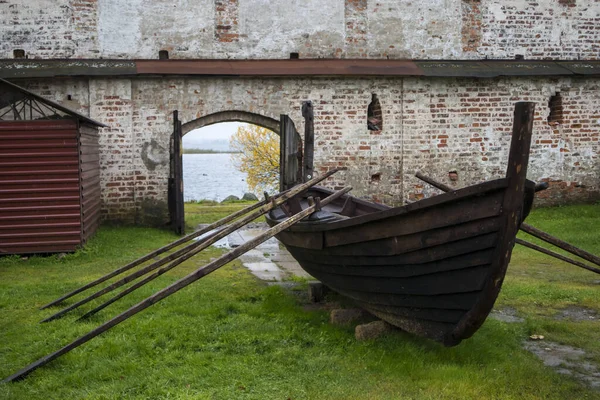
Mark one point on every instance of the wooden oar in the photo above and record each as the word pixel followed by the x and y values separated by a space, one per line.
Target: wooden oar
pixel 180 284
pixel 537 233
pixel 560 243
pixel 179 260
pixel 172 245
pixel 556 255
pixel 201 245
pixel 445 188
pixel 157 252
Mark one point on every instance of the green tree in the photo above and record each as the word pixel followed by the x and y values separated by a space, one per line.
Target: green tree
pixel 258 156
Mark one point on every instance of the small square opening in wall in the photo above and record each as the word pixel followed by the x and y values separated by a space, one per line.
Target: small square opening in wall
pixel 163 55
pixel 294 56
pixel 555 116
pixel 376 177
pixel 19 53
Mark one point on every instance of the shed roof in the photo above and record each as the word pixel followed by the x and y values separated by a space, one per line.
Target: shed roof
pixel 11 94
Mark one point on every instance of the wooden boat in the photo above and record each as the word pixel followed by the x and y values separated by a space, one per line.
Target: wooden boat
pixel 433 267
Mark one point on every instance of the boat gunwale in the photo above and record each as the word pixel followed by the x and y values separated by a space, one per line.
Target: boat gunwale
pixel 459 194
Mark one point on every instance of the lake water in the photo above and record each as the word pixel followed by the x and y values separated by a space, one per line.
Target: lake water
pixel 211 177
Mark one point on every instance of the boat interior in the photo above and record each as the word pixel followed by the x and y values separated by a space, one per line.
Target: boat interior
pixel 342 208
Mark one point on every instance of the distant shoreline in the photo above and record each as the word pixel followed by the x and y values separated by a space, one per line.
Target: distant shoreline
pixel 208 151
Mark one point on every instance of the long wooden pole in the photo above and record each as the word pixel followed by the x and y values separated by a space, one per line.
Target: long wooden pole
pixel 556 255
pixel 132 276
pixel 181 259
pixel 156 252
pixel 175 287
pixel 433 182
pixel 309 140
pixel 537 233
pixel 168 247
pixel 274 202
pixel 560 243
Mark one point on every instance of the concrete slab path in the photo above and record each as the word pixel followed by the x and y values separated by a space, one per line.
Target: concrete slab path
pixel 269 261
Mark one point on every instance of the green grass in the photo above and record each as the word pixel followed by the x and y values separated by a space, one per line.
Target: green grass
pixel 207 211
pixel 230 336
pixel 539 286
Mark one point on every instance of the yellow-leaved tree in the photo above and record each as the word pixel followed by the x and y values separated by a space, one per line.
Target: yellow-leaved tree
pixel 257 155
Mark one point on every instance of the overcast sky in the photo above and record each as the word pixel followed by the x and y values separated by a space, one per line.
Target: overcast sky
pixel 213 137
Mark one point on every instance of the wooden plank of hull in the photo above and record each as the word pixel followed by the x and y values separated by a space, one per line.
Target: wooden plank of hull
pixel 308 240
pixel 466 194
pixel 421 256
pixel 475 259
pixel 372 212
pixel 454 301
pixel 402 244
pixel 448 214
pixel 464 280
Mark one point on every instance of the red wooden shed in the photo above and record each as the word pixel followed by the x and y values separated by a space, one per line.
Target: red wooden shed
pixel 49 174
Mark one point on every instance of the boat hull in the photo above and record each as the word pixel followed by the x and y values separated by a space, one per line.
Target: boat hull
pixel 431 268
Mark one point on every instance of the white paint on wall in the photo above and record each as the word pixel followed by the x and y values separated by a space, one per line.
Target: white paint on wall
pixel 277 28
pixel 119 27
pixel 139 27
pixel 426 29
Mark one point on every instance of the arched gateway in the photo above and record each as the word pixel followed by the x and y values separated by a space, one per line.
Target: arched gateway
pixel 175 184
pixel 231 116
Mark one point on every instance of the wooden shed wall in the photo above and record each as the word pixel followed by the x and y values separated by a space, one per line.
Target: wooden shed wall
pixel 40 187
pixel 89 168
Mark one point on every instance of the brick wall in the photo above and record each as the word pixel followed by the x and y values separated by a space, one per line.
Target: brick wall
pixel 42 29
pixel 110 102
pixel 356 20
pixel 84 15
pixel 567 29
pixel 455 130
pixel 427 29
pixel 464 126
pixel 226 21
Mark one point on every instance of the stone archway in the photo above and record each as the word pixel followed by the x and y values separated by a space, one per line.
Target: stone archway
pixel 214 119
pixel 232 116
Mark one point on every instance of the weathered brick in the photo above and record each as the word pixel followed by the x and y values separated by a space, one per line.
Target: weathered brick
pixel 567 29
pixel 432 125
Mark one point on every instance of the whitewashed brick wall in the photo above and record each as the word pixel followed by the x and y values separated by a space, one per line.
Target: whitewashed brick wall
pixel 434 125
pixel 425 29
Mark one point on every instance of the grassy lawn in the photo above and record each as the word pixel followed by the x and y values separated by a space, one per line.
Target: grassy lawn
pixel 207 211
pixel 230 336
